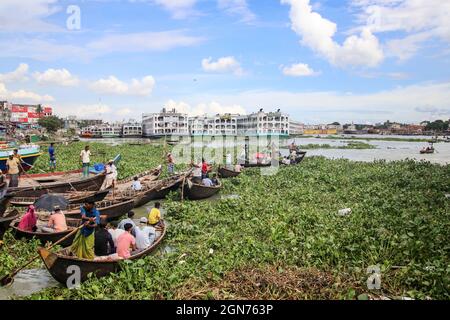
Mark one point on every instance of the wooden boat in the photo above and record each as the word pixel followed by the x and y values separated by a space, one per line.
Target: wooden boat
pixel 28 153
pixel 152 191
pixel 227 173
pixel 112 209
pixel 58 263
pixel 256 165
pixel 145 178
pixel 6 220
pixel 45 237
pixel 74 197
pixel 300 157
pixel 427 151
pixel 4 202
pixel 195 191
pixel 35 185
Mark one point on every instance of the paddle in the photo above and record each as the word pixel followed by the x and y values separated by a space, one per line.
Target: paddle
pixel 10 277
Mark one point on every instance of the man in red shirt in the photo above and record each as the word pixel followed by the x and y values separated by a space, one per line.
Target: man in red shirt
pixel 205 168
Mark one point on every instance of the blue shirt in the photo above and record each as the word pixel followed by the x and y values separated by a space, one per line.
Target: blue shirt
pixel 94 213
pixel 51 152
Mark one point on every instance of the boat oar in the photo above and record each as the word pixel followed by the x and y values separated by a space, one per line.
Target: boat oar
pixel 10 277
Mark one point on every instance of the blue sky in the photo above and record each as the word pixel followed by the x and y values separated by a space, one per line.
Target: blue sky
pixel 320 61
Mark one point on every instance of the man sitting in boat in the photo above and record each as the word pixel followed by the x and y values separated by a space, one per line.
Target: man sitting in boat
pixel 29 220
pixel 136 185
pixel 115 232
pixel 154 217
pixel 145 234
pixel 126 243
pixel 83 244
pixel 214 180
pixel 111 175
pixel 104 244
pixel 129 220
pixel 57 222
pixel 207 182
pixel 196 173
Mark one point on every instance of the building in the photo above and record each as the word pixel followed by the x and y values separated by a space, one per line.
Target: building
pixel 296 127
pixel 132 130
pixel 167 122
pixel 5 112
pixel 263 123
pixel 28 114
pixel 71 122
pixel 82 123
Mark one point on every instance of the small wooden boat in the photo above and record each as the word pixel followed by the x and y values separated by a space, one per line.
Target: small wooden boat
pixel 112 209
pixel 45 237
pixel 146 177
pixel 300 157
pixel 58 263
pixel 4 202
pixel 256 165
pixel 74 197
pixel 6 220
pixel 427 151
pixel 227 173
pixel 152 191
pixel 195 191
pixel 35 185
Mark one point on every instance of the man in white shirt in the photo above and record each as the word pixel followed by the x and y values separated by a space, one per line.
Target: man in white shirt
pixel 145 234
pixel 85 157
pixel 111 175
pixel 136 185
pixel 115 232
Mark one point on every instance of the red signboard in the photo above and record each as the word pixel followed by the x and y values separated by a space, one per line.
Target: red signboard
pixel 23 120
pixel 33 115
pixel 48 110
pixel 16 108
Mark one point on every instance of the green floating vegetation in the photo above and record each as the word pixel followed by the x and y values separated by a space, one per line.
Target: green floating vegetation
pixel 281 236
pixel 348 145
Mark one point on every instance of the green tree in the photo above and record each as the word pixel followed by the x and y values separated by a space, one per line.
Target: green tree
pixel 51 123
pixel 438 126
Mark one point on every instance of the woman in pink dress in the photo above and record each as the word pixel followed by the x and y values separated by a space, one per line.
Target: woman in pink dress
pixel 28 221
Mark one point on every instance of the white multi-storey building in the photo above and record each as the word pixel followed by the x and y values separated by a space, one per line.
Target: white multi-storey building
pixel 132 129
pixel 296 127
pixel 167 122
pixel 264 123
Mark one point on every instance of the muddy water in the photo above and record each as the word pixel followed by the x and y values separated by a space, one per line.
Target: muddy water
pixel 27 282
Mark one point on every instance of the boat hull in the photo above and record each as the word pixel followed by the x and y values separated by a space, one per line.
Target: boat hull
pixel 109 209
pixel 27 164
pixel 91 196
pixel 226 173
pixel 90 184
pixel 157 193
pixel 5 222
pixel 60 265
pixel 199 192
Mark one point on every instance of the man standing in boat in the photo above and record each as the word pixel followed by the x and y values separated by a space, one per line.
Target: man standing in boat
pixel 170 164
pixel 84 242
pixel 85 157
pixel 13 165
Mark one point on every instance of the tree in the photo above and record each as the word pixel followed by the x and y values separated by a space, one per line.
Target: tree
pixel 437 126
pixel 39 110
pixel 51 123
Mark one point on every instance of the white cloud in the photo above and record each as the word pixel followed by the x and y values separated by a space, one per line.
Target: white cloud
pixel 179 9
pixel 418 20
pixel 237 8
pixel 222 65
pixel 47 50
pixel 27 15
pixel 298 70
pixel 199 109
pixel 317 33
pixel 112 85
pixel 17 75
pixel 123 112
pixel 23 95
pixel 60 77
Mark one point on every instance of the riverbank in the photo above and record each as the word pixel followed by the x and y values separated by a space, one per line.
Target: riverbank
pixel 280 236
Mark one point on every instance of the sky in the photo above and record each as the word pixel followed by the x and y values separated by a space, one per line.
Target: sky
pixel 362 61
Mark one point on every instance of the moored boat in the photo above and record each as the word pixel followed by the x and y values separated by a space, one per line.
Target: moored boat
pixel 35 185
pixel 111 209
pixel 58 263
pixel 227 173
pixel 45 237
pixel 300 157
pixel 28 153
pixel 6 220
pixel 73 197
pixel 195 191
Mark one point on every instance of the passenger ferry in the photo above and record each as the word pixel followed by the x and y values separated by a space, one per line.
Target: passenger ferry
pixel 132 130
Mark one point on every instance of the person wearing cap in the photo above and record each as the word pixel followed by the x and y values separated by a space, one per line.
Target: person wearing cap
pixel 170 164
pixel 111 175
pixel 126 242
pixel 145 234
pixel 57 222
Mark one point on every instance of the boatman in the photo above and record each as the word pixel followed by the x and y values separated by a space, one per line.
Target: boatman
pixel 85 157
pixel 13 165
pixel 170 164
pixel 51 154
pixel 84 242
pixel 111 176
